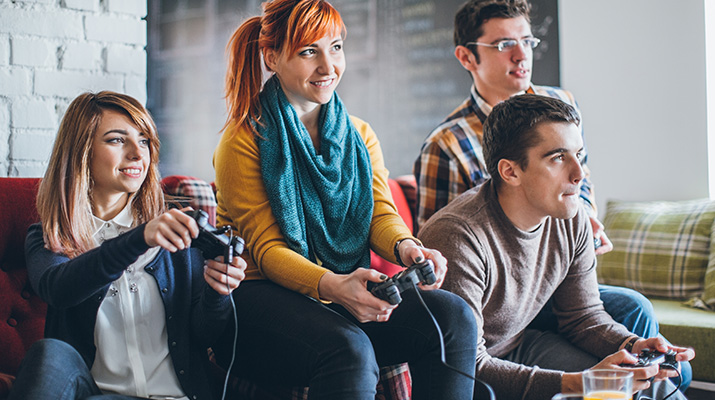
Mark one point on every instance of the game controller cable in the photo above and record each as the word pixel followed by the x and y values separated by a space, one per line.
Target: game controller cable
pixel 228 261
pixel 442 354
pixel 212 242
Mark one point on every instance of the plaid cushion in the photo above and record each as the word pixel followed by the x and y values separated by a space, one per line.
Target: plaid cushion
pixel 707 300
pixel 185 191
pixel 660 248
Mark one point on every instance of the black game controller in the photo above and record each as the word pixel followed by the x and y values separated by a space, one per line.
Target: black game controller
pixel 650 357
pixel 211 241
pixel 390 289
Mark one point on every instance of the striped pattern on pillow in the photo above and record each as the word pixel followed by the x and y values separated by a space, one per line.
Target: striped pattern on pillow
pixel 661 249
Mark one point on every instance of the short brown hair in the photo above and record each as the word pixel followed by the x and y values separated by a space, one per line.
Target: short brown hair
pixel 510 129
pixel 473 14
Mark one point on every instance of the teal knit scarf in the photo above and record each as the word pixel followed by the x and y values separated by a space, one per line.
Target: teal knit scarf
pixel 323 202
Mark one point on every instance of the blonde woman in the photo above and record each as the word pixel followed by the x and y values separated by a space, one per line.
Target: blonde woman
pixel 131 307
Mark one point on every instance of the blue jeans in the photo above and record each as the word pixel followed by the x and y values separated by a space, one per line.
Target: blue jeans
pixel 287 338
pixel 627 307
pixel 54 370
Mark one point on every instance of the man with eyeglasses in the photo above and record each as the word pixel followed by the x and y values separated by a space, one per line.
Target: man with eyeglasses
pixel 494 43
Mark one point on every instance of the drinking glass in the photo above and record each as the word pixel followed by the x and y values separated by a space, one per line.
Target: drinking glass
pixel 607 384
pixel 567 396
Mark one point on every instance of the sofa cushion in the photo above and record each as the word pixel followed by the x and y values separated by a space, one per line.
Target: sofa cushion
pixel 22 313
pixel 183 191
pixel 660 248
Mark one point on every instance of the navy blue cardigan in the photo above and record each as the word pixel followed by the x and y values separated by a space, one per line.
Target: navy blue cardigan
pixel 73 289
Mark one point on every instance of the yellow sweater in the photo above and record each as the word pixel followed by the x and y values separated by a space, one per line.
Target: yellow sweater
pixel 243 204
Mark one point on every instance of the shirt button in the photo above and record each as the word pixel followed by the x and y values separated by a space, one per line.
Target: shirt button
pixel 12 322
pixel 173 344
pixel 181 372
pixel 165 290
pixel 149 269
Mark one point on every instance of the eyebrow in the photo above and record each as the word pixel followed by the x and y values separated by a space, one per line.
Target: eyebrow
pixel 120 131
pixel 333 42
pixel 511 38
pixel 557 151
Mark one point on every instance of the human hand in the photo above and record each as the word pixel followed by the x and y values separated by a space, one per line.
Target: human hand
pixel 641 375
pixel 412 253
pixel 599 233
pixel 224 278
pixel 172 230
pixel 350 291
pixel 659 344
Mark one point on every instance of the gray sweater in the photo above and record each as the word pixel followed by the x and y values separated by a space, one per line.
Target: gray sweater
pixel 507 275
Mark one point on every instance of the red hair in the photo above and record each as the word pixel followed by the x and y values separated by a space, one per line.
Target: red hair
pixel 286 26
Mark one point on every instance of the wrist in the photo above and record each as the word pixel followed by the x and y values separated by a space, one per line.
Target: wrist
pixel 571 382
pixel 628 346
pixel 398 246
pixel 325 286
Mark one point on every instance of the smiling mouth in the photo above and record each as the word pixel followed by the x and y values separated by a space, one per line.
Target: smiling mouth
pixel 131 171
pixel 323 83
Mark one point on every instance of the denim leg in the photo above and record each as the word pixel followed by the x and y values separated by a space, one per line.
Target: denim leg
pixel 285 337
pixel 635 312
pixel 53 370
pixel 410 335
pixel 631 309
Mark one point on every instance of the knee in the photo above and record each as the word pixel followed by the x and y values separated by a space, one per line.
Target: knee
pixel 625 298
pixel 54 349
pixel 353 346
pixel 456 318
pixel 347 357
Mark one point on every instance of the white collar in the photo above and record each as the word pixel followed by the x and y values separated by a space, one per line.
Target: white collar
pixel 124 219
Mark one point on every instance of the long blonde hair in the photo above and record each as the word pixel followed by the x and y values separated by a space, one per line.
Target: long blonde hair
pixel 64 199
pixel 286 25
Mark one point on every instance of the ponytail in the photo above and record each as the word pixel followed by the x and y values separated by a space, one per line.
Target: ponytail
pixel 245 75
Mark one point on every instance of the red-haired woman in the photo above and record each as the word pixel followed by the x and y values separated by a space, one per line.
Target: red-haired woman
pixel 305 185
pixel 131 308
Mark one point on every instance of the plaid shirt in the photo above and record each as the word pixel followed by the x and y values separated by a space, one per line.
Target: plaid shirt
pixel 451 159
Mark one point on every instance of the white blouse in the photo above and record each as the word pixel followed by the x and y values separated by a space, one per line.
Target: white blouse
pixel 130 333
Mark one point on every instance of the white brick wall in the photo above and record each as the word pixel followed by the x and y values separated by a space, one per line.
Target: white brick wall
pixel 51 51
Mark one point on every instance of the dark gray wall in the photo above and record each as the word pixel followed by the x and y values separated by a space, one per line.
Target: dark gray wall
pixel 402 76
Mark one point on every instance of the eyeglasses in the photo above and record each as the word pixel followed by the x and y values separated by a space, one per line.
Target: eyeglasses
pixel 510 44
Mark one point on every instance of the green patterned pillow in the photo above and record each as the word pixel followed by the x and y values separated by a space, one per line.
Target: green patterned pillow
pixel 659 248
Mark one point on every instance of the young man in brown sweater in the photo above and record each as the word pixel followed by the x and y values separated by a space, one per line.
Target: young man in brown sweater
pixel 522 238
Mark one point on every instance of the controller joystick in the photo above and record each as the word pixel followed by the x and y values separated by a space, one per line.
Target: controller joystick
pixel 390 290
pixel 211 241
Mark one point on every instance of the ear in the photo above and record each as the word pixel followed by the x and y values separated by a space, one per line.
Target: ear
pixel 510 172
pixel 270 58
pixel 465 57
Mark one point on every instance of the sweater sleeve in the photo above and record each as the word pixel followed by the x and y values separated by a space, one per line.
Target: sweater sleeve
pixel 243 204
pixel 63 282
pixel 387 227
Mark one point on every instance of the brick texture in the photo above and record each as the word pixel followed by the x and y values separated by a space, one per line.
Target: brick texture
pixel 51 51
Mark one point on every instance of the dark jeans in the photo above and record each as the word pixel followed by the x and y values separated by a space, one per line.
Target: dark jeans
pixel 292 339
pixel 53 370
pixel 627 307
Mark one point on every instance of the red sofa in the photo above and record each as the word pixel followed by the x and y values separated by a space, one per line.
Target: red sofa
pixel 22 312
